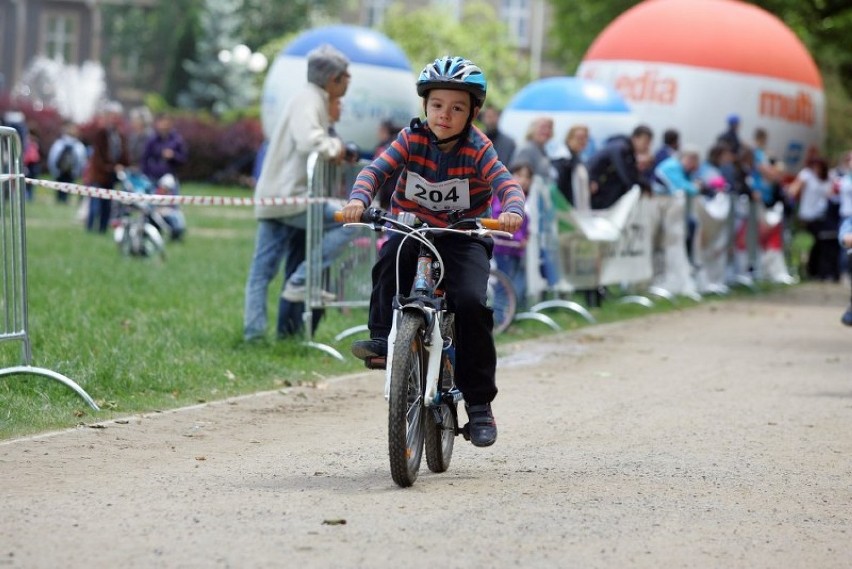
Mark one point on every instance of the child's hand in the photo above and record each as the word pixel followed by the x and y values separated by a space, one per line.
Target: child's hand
pixel 510 222
pixel 352 211
pixel 847 240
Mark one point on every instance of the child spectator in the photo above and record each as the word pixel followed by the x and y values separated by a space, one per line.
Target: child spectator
pixel 812 188
pixel 509 253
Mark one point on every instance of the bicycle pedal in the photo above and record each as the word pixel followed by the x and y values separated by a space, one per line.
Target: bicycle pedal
pixel 376 363
pixel 465 431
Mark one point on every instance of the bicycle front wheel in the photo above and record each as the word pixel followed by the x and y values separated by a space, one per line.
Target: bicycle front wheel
pixel 502 299
pixel 406 414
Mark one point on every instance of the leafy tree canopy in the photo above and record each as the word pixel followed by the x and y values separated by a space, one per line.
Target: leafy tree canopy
pixel 268 20
pixel 427 33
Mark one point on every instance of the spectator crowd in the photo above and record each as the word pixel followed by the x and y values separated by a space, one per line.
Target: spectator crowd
pixel 734 213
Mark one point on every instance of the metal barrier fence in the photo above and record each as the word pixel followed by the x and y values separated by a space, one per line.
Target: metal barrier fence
pixel 728 232
pixel 641 244
pixel 349 276
pixel 13 262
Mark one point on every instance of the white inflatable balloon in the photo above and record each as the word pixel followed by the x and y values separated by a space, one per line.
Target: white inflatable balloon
pixel 690 65
pixel 382 85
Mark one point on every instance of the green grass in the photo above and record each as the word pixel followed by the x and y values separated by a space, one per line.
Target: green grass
pixel 141 334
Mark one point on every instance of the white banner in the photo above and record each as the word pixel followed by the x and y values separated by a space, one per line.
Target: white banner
pixel 711 242
pixel 609 246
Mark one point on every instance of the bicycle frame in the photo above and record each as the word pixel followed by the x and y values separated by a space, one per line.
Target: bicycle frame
pixel 424 298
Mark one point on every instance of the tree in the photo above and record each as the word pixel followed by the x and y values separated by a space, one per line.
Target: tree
pixel 266 20
pixel 177 78
pixel 576 24
pixel 426 34
pixel 146 39
pixel 217 84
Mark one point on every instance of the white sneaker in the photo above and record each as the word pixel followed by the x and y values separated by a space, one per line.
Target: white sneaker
pixel 297 293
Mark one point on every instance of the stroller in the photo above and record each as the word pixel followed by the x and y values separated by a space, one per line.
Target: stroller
pixel 140 226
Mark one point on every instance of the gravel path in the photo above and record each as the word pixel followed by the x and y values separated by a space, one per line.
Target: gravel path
pixel 719 436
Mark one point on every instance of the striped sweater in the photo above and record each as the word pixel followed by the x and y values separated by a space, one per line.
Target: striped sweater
pixel 473 159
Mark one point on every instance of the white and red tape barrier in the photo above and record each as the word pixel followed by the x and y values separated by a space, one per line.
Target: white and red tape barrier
pixel 157 199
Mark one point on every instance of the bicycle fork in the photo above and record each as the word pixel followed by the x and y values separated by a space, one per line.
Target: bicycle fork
pixel 433 368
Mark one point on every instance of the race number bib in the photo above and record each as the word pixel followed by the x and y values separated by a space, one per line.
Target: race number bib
pixel 438 196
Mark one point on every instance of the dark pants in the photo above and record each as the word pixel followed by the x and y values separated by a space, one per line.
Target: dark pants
pixel 466 269
pixel 62 197
pixel 824 256
pixel 99 214
pixel 290 314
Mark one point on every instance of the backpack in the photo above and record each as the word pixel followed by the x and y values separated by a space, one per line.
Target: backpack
pixel 67 161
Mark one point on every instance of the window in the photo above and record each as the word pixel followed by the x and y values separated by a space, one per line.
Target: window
pixel 59 36
pixel 516 15
pixel 375 12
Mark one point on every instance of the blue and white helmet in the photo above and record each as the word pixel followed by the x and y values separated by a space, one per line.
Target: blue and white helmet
pixel 455 73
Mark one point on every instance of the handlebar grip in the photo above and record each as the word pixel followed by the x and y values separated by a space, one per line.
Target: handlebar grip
pixel 489 223
pixel 338 216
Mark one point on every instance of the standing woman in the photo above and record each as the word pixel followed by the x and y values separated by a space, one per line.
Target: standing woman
pixel 109 155
pixel 543 225
pixel 812 188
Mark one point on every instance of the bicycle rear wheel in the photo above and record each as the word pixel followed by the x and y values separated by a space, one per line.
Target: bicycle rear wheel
pixel 441 422
pixel 502 299
pixel 406 413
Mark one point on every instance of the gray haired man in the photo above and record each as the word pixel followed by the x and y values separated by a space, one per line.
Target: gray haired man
pixel 302 129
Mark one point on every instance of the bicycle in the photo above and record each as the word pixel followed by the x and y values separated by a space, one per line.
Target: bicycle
pixel 137 226
pixel 420 363
pixel 502 298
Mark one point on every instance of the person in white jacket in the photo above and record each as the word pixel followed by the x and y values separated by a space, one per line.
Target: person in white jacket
pixel 303 128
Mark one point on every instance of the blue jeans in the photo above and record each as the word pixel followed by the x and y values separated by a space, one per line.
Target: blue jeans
pixel 845 229
pixel 97 219
pixel 335 238
pixel 270 248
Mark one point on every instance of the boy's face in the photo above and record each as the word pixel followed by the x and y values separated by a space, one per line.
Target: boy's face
pixel 447 111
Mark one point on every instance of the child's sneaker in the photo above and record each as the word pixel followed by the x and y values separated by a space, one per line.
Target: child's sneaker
pixel 481 427
pixel 298 293
pixel 372 348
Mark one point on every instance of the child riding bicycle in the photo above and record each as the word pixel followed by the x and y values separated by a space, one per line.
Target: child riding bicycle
pixel 449 171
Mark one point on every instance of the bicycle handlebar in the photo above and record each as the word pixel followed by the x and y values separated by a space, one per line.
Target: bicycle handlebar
pixel 375 215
